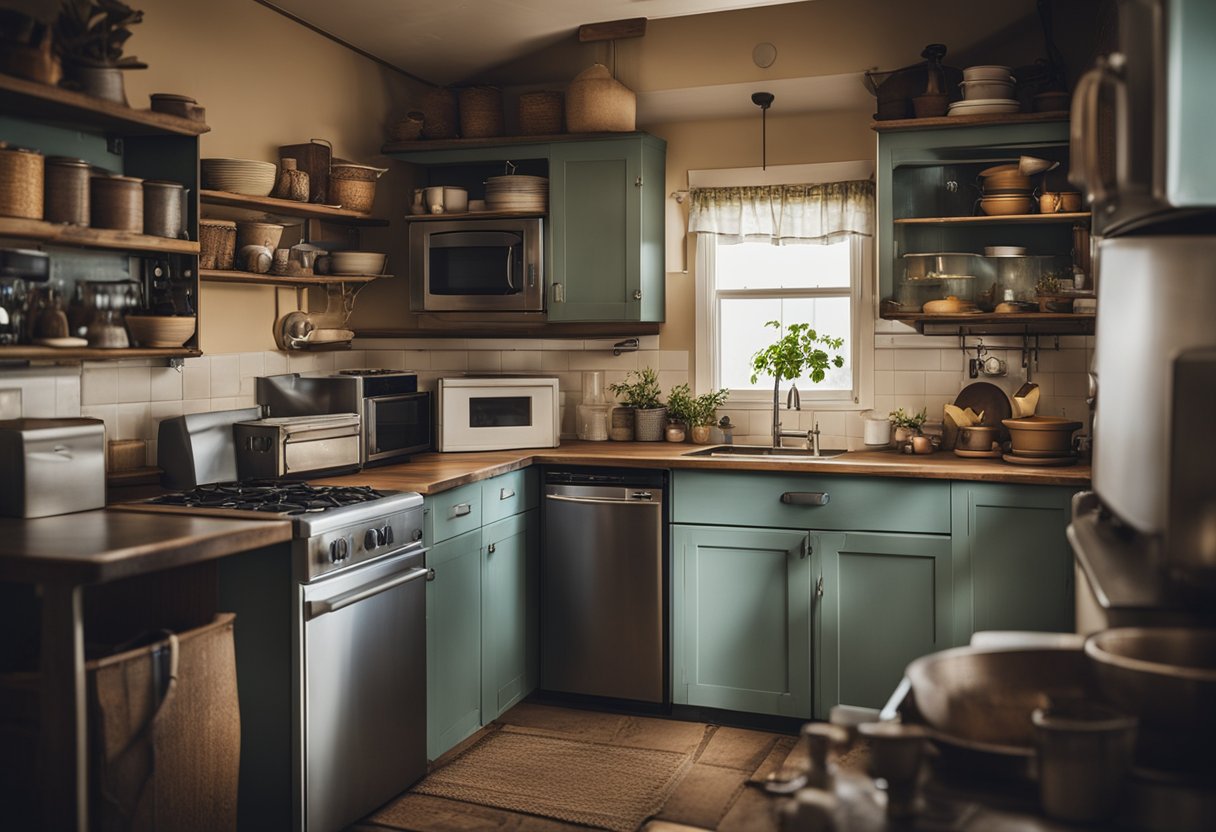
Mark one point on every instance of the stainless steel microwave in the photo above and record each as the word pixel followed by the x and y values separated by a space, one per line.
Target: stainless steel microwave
pixel 482 265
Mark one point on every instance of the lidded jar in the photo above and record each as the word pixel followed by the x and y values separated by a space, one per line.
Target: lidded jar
pixel 593 411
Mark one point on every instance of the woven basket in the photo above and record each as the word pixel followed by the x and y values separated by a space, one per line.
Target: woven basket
pixel 217 244
pixel 353 194
pixel 407 129
pixel 20 183
pixel 540 113
pixel 650 424
pixel 598 103
pixel 481 112
pixel 438 110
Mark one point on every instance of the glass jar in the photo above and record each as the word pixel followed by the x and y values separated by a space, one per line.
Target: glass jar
pixel 592 422
pixel 12 310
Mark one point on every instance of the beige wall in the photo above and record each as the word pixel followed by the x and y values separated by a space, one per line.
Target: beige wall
pixel 265 81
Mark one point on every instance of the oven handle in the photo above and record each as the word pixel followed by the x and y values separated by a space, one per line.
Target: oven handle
pixel 316 609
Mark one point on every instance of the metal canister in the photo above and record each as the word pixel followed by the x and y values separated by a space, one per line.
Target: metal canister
pixel 66 198
pixel 162 208
pixel 117 202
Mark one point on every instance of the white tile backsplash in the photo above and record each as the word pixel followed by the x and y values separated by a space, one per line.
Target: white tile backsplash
pixel 165 384
pixel 99 385
pixel 134 384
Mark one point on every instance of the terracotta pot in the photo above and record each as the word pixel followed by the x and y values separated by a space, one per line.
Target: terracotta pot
pixel 700 434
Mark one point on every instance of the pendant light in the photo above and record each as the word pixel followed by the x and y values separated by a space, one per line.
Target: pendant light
pixel 763 100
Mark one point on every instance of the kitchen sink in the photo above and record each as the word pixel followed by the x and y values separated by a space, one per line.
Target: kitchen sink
pixel 762 451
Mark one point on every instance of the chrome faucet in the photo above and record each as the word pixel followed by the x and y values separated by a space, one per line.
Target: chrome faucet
pixel 812 439
pixel 792 402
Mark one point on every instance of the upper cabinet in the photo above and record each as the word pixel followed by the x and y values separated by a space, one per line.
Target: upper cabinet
pixel 119 140
pixel 929 192
pixel 603 247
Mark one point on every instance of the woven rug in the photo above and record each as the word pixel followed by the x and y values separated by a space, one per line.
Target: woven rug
pixel 588 783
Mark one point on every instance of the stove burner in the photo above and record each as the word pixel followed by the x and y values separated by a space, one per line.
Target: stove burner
pixel 291 498
pixel 365 372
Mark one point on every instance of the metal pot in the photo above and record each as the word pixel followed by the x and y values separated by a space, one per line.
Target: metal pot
pixel 977 438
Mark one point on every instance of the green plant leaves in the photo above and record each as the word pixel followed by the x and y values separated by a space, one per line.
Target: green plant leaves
pixel 799 350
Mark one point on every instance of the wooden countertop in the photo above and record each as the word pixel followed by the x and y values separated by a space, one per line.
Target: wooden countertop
pixel 102 545
pixel 434 472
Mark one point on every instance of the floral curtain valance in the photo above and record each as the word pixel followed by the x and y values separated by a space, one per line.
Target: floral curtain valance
pixel 783 214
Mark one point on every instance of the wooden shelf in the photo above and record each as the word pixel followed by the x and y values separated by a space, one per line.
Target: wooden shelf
pixel 428 145
pixel 103 238
pixel 1007 219
pixel 993 323
pixel 473 215
pixel 994 119
pixel 19 97
pixel 225 276
pixel 288 208
pixel 36 353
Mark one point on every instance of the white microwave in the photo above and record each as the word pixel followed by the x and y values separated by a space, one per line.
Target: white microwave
pixel 496 413
pixel 477 265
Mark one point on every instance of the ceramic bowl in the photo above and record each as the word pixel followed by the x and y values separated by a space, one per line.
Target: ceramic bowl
pixel 1006 205
pixel 160 331
pixel 239 176
pixel 988 72
pixel 986 89
pixel 356 262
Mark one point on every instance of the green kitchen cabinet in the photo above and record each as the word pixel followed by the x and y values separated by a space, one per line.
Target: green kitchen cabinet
pixel 607 226
pixel 453 641
pixel 509 604
pixel 742 619
pixel 1013 567
pixel 882 600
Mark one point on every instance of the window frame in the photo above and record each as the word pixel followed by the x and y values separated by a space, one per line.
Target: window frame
pixel 860 292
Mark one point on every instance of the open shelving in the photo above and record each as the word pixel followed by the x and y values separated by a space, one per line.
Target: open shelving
pixel 229 276
pixel 34 352
pixel 94 238
pixel 1006 219
pixel 55 104
pixel 289 208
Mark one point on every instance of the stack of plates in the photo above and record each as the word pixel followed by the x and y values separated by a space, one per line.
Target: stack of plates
pixel 517 193
pixel 239 176
pixel 986 89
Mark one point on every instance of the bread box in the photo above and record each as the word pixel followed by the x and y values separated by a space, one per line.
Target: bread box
pixel 53 466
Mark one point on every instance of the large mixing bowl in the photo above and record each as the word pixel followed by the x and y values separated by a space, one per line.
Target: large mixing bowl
pixel 1167 677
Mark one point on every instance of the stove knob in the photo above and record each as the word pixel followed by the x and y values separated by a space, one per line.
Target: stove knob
pixel 338 550
pixel 386 535
pixel 372 539
pixel 417 534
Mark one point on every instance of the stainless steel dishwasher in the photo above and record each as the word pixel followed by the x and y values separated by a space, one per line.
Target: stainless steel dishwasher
pixel 603 584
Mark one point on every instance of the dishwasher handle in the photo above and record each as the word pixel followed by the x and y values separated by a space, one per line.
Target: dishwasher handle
pixel 316 609
pixel 600 501
pixel 805 498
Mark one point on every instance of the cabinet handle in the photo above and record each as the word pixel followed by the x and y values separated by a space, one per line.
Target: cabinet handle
pixel 531 275
pixel 819 587
pixel 460 510
pixel 637 294
pixel 559 293
pixel 637 183
pixel 805 498
pixel 491 548
pixel 505 493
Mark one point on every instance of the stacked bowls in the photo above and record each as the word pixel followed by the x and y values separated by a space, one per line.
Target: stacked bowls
pixel 1006 190
pixel 239 176
pixel 986 90
pixel 517 192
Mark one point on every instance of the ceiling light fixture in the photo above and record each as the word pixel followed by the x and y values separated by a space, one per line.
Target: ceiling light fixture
pixel 763 100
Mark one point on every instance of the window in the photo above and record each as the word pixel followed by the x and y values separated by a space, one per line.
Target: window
pixel 742 286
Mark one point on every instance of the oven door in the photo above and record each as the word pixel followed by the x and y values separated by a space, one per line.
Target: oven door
pixel 472 266
pixel 363 686
pixel 396 426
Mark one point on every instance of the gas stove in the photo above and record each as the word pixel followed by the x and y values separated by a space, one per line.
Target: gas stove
pixel 333 527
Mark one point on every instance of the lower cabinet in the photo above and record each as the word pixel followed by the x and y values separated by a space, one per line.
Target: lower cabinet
pixel 742 619
pixel 481 606
pixel 453 642
pixel 509 605
pixel 1013 567
pixel 882 600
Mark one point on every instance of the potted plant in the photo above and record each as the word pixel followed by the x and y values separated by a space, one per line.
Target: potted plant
pixel 698 413
pixel 90 35
pixel 907 426
pixel 26 40
pixel 642 395
pixel 791 356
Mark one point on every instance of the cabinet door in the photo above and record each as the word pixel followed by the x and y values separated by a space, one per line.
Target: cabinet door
pixel 885 600
pixel 742 620
pixel 508 612
pixel 606 232
pixel 1012 562
pixel 453 642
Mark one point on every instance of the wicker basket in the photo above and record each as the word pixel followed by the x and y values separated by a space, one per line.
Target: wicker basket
pixel 20 183
pixel 598 103
pixel 217 244
pixel 67 190
pixel 540 113
pixel 438 110
pixel 481 112
pixel 650 424
pixel 407 129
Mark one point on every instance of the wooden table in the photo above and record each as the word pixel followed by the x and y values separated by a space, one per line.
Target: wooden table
pixel 62 555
